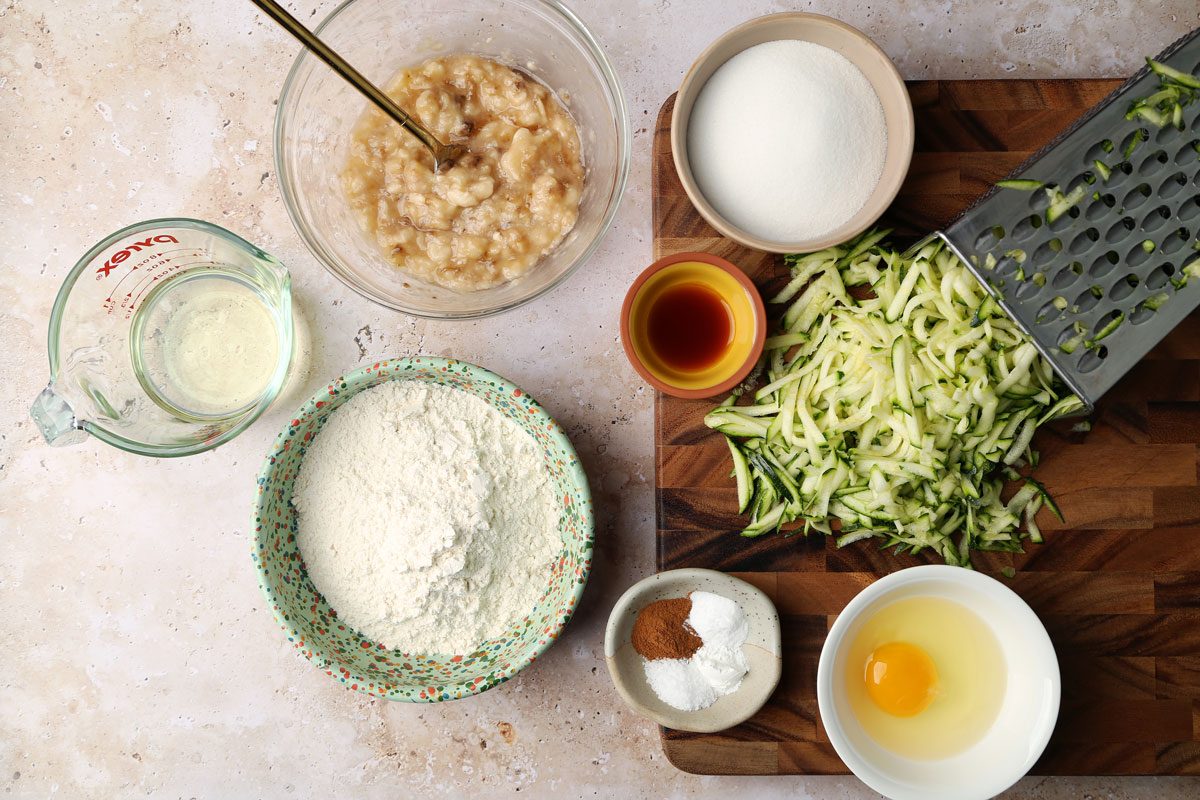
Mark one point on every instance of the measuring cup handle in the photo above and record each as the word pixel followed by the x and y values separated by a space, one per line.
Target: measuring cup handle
pixel 55 419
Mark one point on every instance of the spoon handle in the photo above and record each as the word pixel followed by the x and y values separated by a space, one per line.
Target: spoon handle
pixel 352 76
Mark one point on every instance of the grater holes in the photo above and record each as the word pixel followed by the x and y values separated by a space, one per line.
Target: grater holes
pixel 1067 275
pixel 1082 180
pixel 1172 185
pixel 1132 142
pixel 1169 269
pixel 1047 252
pixel 1027 227
pixel 1006 266
pixel 1096 210
pixel 1050 311
pixel 1141 313
pixel 1103 322
pixel 1136 196
pixel 1189 154
pixel 1176 241
pixel 1165 134
pixel 1065 220
pixel 1100 151
pixel 1153 162
pixel 1105 325
pixel 1026 289
pixel 1119 173
pixel 1104 203
pixel 1124 287
pixel 1065 335
pixel 1092 359
pixel 1190 209
pixel 1087 299
pixel 1039 200
pixel 1140 253
pixel 1120 230
pixel 1156 219
pixel 989 238
pixel 1159 277
pixel 1104 264
pixel 1084 241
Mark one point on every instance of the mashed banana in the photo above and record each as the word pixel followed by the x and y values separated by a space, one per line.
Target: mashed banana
pixel 492 215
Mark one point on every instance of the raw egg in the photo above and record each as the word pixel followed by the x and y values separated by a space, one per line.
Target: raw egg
pixel 901 678
pixel 925 677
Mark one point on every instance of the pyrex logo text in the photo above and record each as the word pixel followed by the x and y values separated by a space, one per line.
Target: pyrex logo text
pixel 121 255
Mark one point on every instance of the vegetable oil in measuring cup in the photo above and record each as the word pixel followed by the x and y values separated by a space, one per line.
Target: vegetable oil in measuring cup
pixel 205 344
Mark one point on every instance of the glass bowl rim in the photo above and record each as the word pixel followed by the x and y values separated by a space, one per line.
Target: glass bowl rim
pixel 612 83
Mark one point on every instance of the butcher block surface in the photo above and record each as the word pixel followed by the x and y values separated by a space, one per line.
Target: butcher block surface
pixel 1117 585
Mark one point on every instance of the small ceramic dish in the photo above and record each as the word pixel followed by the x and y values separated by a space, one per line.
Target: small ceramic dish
pixel 362 664
pixel 1027 712
pixel 859 50
pixel 762 650
pixel 743 308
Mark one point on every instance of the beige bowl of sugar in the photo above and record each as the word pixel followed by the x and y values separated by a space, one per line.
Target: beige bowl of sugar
pixel 792 132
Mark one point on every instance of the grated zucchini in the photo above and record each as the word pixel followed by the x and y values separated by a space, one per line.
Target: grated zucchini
pixel 899 416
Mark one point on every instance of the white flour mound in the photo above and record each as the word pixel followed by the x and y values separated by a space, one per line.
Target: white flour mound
pixel 427 518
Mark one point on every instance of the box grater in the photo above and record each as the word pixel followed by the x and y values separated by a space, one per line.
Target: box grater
pixel 1116 257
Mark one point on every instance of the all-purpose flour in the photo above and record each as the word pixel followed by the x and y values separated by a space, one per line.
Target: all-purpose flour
pixel 426 517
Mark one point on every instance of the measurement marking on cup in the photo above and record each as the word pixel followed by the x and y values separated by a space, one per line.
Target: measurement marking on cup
pixel 150 261
pixel 130 302
pixel 152 269
pixel 175 341
pixel 161 256
pixel 131 248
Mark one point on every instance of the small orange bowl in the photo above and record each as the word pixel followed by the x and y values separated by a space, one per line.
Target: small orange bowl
pixel 746 320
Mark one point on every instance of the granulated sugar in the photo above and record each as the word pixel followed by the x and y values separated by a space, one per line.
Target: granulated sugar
pixel 426 517
pixel 787 140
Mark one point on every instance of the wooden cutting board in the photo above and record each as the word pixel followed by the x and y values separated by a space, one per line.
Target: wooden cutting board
pixel 1118 586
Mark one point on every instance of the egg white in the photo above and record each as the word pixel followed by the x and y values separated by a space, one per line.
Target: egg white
pixel 972 677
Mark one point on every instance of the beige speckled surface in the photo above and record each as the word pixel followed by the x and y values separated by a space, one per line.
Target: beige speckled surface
pixel 136 657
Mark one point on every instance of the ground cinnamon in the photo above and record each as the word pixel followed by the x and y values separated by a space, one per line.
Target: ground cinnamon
pixel 660 631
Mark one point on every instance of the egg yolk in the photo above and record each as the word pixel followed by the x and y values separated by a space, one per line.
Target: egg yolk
pixel 901 678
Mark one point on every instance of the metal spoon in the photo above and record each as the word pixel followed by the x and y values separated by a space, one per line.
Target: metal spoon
pixel 443 154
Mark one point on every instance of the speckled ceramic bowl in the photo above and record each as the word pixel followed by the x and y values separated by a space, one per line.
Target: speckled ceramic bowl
pixel 360 663
pixel 763 649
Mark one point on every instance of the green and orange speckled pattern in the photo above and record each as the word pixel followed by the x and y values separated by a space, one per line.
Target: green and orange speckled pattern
pixel 360 663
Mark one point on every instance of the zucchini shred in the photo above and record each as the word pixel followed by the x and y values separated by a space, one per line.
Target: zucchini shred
pixel 899 417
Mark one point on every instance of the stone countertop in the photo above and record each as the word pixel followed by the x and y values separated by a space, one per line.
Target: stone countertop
pixel 136 654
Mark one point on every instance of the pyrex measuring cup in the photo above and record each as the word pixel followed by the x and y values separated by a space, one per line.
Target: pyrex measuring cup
pixel 168 338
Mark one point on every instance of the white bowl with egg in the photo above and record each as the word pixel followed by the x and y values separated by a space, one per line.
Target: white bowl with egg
pixel 782 151
pixel 1019 718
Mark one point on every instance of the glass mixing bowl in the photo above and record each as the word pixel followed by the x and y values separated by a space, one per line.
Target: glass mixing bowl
pixel 317 111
